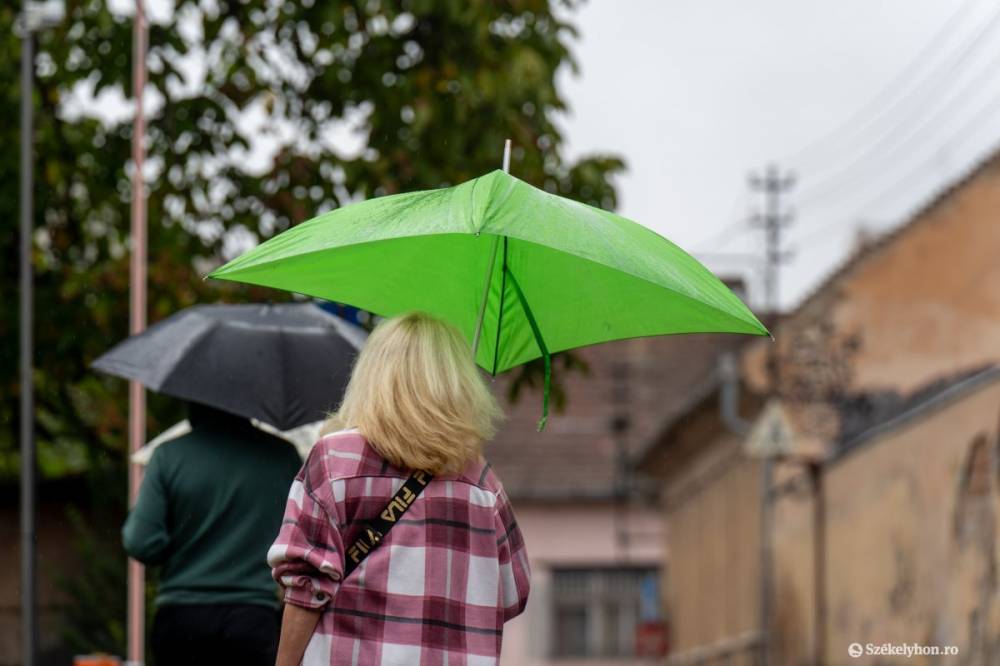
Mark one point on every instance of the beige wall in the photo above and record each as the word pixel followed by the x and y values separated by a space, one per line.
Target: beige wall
pixel 899 570
pixel 711 507
pixel 932 300
pixel 911 542
pixel 793 599
pixel 712 590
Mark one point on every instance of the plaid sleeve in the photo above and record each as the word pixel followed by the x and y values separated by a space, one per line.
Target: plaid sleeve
pixel 515 574
pixel 307 558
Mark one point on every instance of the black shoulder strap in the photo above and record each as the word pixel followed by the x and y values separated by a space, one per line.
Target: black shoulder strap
pixel 375 529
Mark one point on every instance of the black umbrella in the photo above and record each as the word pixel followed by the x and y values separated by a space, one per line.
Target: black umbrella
pixel 285 365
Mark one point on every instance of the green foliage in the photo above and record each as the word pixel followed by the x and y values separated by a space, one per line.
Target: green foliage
pixel 532 376
pixel 428 89
pixel 93 619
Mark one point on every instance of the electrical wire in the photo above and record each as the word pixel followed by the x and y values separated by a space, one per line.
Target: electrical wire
pixel 722 238
pixel 850 173
pixel 931 83
pixel 737 227
pixel 878 105
pixel 991 106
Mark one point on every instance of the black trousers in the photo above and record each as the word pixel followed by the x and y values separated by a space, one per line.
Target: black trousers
pixel 191 635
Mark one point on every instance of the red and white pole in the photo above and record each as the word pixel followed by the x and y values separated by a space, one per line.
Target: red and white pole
pixel 137 323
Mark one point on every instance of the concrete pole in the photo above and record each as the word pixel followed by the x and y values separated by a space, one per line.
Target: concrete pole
pixel 819 562
pixel 29 634
pixel 773 185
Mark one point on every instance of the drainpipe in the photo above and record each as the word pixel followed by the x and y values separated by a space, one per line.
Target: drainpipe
pixel 729 394
pixel 729 401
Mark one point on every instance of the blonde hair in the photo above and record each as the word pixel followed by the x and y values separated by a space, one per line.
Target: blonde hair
pixel 416 395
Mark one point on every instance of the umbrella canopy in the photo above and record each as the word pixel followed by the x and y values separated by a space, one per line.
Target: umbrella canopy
pixel 285 365
pixel 521 272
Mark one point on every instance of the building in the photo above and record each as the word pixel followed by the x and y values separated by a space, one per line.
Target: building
pixel 710 506
pixel 592 527
pixel 898 544
pixel 878 523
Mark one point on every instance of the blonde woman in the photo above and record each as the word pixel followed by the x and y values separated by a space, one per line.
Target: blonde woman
pixel 439 585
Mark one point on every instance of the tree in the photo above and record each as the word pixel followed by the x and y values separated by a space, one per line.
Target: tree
pixel 426 91
pixel 351 99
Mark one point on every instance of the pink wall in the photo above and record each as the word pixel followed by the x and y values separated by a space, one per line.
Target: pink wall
pixel 581 534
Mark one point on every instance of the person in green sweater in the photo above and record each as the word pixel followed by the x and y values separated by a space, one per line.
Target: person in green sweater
pixel 210 504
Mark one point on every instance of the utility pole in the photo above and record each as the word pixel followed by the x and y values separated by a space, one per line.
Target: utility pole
pixel 772 184
pixel 136 599
pixel 815 470
pixel 32 19
pixel 29 634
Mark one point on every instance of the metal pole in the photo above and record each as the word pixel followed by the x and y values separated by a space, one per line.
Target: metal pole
pixel 29 634
pixel 766 480
pixel 137 323
pixel 493 259
pixel 819 562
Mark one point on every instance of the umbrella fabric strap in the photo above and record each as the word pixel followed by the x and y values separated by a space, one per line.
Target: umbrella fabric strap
pixel 541 346
pixel 373 532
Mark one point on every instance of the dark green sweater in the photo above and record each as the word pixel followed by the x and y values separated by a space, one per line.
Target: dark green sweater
pixel 209 507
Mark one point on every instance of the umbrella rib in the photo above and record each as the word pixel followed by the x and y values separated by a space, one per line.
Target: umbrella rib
pixel 540 341
pixel 503 293
pixel 486 295
pixel 631 273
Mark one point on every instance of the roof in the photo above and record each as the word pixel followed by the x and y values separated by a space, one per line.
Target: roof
pixel 699 394
pixel 885 412
pixel 633 385
pixel 881 241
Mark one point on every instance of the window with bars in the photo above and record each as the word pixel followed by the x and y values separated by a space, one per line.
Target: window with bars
pixel 598 612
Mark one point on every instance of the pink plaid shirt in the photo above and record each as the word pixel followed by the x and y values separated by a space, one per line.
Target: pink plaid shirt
pixel 436 591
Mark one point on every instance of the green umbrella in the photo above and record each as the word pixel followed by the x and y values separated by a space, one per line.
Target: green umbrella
pixel 521 272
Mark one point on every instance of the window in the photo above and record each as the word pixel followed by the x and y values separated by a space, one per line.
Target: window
pixel 599 612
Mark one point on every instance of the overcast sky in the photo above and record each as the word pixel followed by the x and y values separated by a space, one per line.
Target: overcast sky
pixel 696 93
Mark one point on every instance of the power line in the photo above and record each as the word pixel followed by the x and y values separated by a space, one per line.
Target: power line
pixel 849 173
pixel 877 106
pixel 724 237
pixel 737 227
pixel 984 111
pixel 932 84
